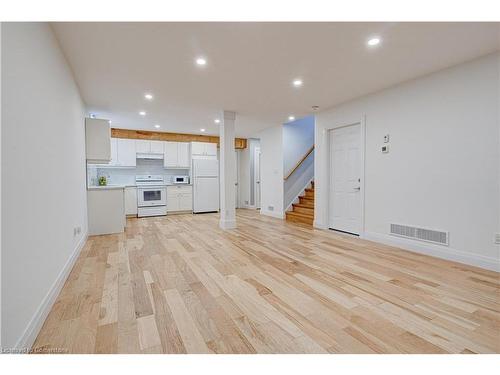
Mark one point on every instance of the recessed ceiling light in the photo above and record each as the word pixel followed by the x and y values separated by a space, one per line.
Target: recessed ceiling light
pixel 217 121
pixel 291 118
pixel 202 130
pixel 297 82
pixel 373 42
pixel 201 61
pixel 157 126
pixel 148 96
pixel 142 113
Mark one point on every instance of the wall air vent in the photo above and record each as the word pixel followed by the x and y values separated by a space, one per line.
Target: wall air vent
pixel 421 234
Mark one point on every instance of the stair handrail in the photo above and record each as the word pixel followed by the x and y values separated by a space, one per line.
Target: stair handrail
pixel 299 163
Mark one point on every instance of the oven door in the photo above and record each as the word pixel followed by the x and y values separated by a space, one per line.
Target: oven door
pixel 151 196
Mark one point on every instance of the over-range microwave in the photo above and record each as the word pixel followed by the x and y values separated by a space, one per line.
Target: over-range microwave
pixel 180 180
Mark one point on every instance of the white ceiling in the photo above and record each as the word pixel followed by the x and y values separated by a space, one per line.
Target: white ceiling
pixel 250 67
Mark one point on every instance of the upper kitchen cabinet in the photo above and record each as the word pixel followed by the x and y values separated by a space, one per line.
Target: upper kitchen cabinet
pixel 142 146
pixel 149 148
pixel 204 150
pixel 97 141
pixel 176 155
pixel 122 153
pixel 184 154
pixel 157 147
pixel 126 153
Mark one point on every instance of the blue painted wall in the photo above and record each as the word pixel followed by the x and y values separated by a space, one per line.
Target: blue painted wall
pixel 298 137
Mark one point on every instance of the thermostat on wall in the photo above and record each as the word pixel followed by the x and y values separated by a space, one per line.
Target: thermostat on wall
pixel 385 149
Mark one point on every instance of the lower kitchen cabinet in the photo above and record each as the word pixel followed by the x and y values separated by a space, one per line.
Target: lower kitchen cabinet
pixel 179 198
pixel 131 200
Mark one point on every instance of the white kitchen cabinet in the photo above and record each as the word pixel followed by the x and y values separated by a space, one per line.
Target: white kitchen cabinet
pixel 106 211
pixel 183 155
pixel 97 141
pixel 142 146
pixel 114 152
pixel 186 200
pixel 204 149
pixel 170 159
pixel 122 153
pixel 126 153
pixel 198 148
pixel 176 155
pixel 148 147
pixel 156 147
pixel 211 149
pixel 131 200
pixel 179 198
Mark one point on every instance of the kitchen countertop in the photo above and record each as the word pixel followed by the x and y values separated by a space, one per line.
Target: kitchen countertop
pixel 106 187
pixel 167 184
pixel 122 186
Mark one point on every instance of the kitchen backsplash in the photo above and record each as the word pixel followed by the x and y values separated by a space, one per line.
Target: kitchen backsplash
pixel 125 176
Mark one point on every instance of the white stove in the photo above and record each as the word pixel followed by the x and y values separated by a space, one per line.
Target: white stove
pixel 149 180
pixel 151 195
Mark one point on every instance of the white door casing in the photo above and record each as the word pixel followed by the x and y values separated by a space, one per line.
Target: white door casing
pixel 237 178
pixel 257 176
pixel 345 190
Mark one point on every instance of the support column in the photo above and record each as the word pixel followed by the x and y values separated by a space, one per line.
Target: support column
pixel 227 171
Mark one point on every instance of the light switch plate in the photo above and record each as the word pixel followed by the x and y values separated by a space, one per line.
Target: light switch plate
pixel 497 238
pixel 385 149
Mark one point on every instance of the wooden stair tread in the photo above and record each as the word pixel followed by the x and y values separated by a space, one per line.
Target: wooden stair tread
pixel 302 205
pixel 303 212
pixel 306 198
pixel 294 213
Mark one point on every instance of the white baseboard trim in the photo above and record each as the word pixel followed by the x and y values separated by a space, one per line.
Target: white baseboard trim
pixel 278 215
pixel 437 251
pixel 247 206
pixel 35 325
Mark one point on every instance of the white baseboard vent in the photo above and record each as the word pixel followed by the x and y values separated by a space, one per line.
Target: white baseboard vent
pixel 421 234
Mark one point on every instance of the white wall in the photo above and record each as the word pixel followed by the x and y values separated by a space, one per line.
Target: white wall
pixel 298 137
pixel 442 171
pixel 43 176
pixel 271 171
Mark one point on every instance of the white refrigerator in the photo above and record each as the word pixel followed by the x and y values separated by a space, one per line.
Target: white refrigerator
pixel 205 185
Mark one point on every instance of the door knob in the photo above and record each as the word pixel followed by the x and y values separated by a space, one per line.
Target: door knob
pixel 357 188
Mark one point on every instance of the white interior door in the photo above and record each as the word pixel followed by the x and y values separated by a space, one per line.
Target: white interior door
pixel 345 179
pixel 257 177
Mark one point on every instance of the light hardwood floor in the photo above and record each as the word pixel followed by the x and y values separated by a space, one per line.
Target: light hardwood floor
pixel 179 284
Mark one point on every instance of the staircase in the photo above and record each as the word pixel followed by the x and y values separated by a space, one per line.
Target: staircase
pixel 303 212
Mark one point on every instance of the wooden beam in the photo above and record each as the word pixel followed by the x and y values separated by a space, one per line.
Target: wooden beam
pixel 239 143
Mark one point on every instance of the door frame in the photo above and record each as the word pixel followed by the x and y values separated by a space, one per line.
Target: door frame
pixel 237 183
pixel 257 186
pixel 362 126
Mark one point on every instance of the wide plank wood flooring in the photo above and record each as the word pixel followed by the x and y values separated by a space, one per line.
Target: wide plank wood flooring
pixel 179 284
